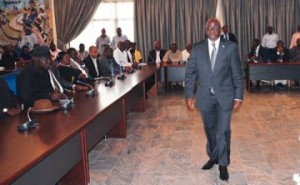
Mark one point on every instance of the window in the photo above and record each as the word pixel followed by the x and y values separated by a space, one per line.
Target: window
pixel 109 15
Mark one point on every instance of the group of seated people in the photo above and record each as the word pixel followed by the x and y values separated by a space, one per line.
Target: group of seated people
pixel 279 54
pixel 45 78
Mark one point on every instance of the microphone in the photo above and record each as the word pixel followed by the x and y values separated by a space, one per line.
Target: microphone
pixel 31 123
pixel 152 60
pixel 121 76
pixel 109 83
pixel 91 92
pixel 66 103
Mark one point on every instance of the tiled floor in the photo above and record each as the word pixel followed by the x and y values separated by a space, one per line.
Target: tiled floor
pixel 166 144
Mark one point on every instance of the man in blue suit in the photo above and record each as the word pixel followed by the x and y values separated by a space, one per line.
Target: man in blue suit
pixel 215 67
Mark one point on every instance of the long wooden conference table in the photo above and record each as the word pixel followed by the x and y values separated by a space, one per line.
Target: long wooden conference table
pixel 57 150
pixel 271 71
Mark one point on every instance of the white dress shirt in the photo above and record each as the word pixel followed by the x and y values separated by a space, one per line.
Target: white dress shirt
pixel 185 55
pixel 157 60
pixel 210 47
pixel 96 65
pixel 121 57
pixel 270 40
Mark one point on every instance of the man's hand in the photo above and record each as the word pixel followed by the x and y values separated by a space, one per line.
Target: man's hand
pixel 190 104
pixel 55 95
pixel 237 105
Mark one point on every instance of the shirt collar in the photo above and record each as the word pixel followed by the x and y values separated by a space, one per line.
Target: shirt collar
pixel 217 42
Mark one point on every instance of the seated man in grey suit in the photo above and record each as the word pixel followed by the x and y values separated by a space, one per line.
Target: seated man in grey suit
pixel 215 67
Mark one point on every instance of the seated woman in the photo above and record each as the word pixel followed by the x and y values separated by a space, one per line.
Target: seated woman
pixel 66 71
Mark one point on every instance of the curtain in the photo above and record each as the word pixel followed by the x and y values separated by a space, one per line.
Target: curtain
pixel 249 19
pixel 171 21
pixel 72 16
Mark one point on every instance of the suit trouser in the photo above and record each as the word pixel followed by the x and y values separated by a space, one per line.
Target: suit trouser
pixel 216 123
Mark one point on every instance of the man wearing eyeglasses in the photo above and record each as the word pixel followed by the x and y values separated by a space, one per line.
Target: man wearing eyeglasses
pixel 214 66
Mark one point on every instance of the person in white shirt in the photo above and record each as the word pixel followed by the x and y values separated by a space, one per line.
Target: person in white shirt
pixel 173 55
pixel 269 42
pixel 102 41
pixel 186 53
pixel 82 53
pixel 295 37
pixel 120 56
pixel 119 37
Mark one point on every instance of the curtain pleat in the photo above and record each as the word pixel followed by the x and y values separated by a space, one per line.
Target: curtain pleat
pixel 171 21
pixel 249 19
pixel 72 16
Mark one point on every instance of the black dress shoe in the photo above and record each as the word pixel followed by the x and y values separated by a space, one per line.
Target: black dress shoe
pixel 209 164
pixel 223 173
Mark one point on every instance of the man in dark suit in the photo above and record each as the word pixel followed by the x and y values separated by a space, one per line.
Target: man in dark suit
pixel 257 54
pixel 155 56
pixel 228 36
pixel 215 66
pixel 157 51
pixel 92 62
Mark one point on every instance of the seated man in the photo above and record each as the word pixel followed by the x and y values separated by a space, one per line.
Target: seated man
pixel 107 62
pixel 9 57
pixel 92 63
pixel 173 55
pixel 156 55
pixel 8 102
pixel 186 52
pixel 282 54
pixel 257 54
pixel 40 80
pixel 120 56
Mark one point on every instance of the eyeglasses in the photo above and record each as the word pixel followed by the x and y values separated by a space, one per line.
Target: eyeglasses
pixel 213 29
pixel 44 59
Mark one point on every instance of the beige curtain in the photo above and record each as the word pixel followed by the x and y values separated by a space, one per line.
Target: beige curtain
pixel 72 16
pixel 249 19
pixel 178 21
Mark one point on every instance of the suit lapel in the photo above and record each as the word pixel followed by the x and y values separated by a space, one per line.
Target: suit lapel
pixel 221 52
pixel 206 54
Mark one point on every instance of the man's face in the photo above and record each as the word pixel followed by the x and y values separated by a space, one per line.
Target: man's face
pixel 103 31
pixel 213 30
pixel 173 48
pixel 119 32
pixel 81 47
pixel 109 53
pixel 157 45
pixel 94 52
pixel 254 44
pixel 42 62
pixel 270 30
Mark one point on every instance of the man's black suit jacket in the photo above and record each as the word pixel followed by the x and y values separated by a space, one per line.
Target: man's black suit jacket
pixel 232 37
pixel 261 53
pixel 152 55
pixel 91 67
